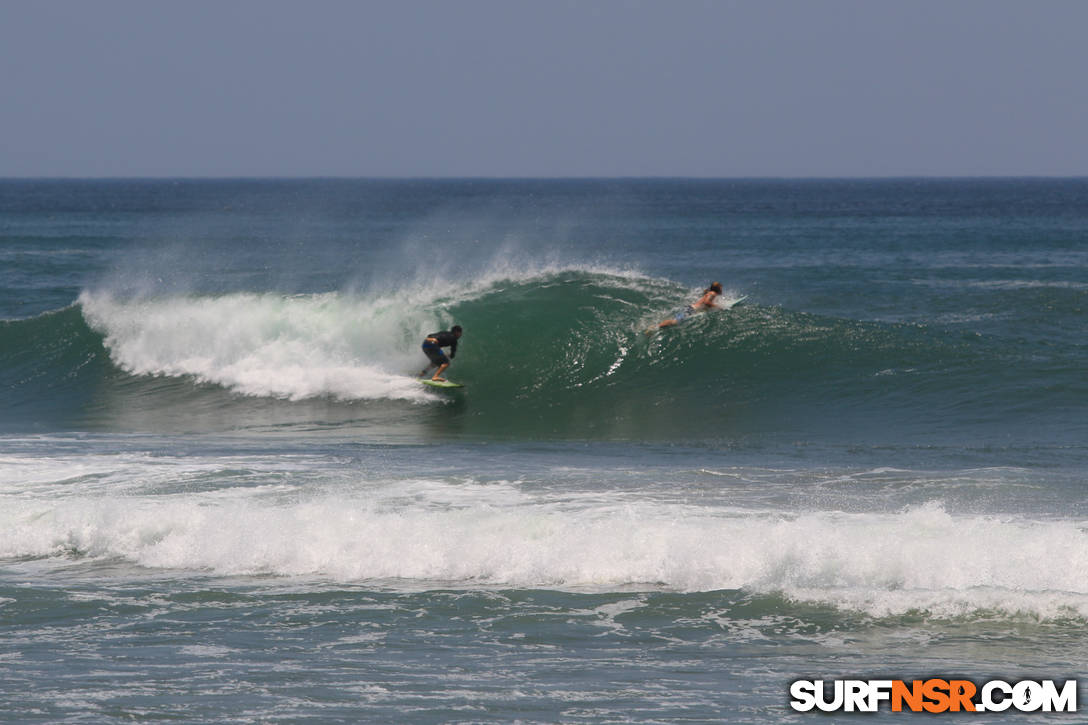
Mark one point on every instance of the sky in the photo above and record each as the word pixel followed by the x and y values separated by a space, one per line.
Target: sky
pixel 543 88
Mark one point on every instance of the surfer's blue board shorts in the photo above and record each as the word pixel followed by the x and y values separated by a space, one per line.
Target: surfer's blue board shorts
pixel 434 354
pixel 684 313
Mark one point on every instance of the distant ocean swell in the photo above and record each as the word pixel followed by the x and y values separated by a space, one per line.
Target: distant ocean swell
pixel 553 352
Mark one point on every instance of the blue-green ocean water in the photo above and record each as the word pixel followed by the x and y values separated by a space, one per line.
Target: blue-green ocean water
pixel 224 496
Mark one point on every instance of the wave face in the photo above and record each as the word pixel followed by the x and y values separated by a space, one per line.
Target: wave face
pixel 554 352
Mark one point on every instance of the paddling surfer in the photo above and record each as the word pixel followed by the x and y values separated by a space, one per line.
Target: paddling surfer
pixel 709 299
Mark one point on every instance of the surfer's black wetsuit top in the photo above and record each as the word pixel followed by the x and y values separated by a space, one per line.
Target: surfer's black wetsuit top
pixel 445 339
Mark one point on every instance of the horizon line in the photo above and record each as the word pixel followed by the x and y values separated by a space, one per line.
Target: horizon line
pixel 482 177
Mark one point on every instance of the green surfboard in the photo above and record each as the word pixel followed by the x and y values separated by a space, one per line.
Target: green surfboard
pixel 441 384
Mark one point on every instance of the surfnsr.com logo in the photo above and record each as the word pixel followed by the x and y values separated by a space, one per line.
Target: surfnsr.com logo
pixel 934 695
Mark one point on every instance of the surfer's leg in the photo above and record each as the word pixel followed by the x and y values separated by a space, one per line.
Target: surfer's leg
pixel 438 373
pixel 435 356
pixel 677 319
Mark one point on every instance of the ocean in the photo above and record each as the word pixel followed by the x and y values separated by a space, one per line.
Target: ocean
pixel 225 497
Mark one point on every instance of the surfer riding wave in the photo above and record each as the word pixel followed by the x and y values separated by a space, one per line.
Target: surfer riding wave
pixel 432 348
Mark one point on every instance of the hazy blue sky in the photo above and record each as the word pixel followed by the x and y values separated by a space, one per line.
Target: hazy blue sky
pixel 543 88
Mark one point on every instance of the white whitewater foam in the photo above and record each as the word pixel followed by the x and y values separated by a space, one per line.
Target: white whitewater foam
pixel 422 533
pixel 265 345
